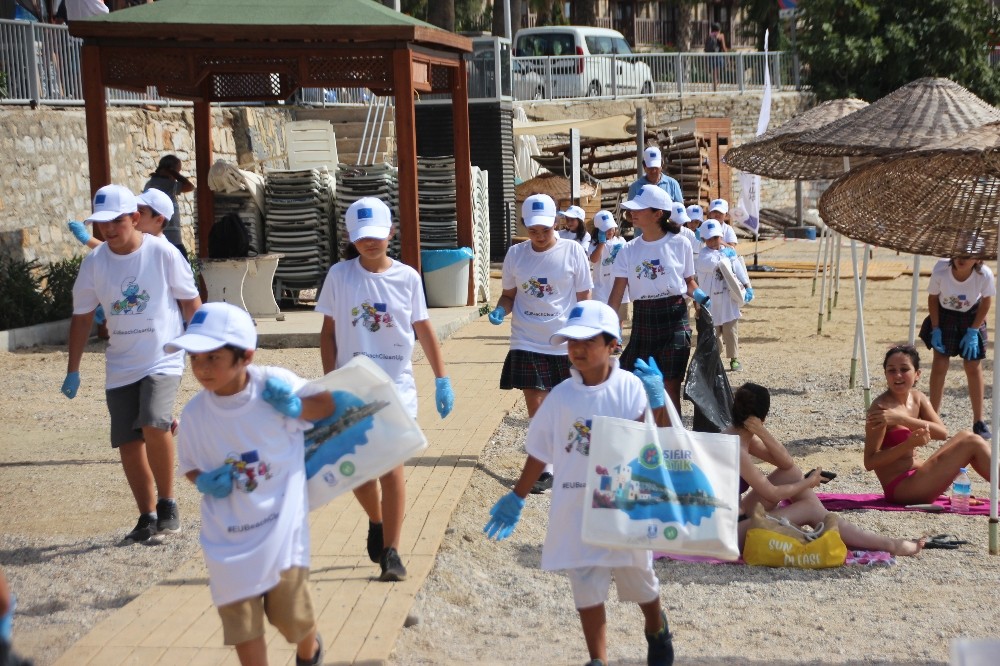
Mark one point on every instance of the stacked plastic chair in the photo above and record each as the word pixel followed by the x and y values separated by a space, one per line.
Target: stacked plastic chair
pixel 481 232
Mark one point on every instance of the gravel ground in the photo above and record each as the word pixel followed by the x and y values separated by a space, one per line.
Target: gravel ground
pixel 64 506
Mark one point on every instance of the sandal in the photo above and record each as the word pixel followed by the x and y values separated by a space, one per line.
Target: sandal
pixel 944 541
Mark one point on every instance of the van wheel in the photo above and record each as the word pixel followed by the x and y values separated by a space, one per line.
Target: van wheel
pixel 594 90
pixel 647 88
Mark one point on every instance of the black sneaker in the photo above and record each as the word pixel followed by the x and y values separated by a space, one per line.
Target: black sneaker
pixel 144 530
pixel 317 657
pixel 168 517
pixel 543 485
pixel 983 430
pixel 392 566
pixel 661 645
pixel 594 662
pixel 375 542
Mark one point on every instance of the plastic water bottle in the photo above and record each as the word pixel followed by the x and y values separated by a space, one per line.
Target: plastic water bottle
pixel 961 491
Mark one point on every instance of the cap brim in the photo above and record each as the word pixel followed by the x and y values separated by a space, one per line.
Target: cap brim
pixel 633 205
pixel 105 216
pixel 654 164
pixel 569 214
pixel 381 233
pixel 577 332
pixel 193 342
pixel 540 221
pixel 719 209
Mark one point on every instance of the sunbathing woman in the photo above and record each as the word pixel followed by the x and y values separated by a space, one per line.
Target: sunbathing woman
pixel 902 419
pixel 787 483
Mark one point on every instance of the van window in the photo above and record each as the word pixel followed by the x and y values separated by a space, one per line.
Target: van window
pixel 599 45
pixel 621 46
pixel 559 44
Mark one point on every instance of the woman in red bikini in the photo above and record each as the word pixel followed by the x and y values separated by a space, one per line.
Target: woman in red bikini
pixel 902 419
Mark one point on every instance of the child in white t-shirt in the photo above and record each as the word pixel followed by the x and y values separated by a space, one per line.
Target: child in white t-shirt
pixel 960 294
pixel 248 460
pixel 561 436
pixel 574 226
pixel 725 311
pixel 375 306
pixel 603 251
pixel 718 210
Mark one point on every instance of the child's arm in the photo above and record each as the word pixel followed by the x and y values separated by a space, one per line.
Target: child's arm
pixel 617 293
pixel 506 513
pixel 533 468
pixel 328 345
pixel 318 406
pixel 444 396
pixel 189 307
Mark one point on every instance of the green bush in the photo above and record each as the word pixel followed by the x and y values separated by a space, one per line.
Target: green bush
pixel 59 279
pixel 31 293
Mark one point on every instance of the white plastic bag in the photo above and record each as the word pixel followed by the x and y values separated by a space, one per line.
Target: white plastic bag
pixel 664 489
pixel 368 435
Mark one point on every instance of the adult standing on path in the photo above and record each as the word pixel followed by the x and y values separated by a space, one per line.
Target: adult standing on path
pixel 652 165
pixel 147 291
pixel 168 179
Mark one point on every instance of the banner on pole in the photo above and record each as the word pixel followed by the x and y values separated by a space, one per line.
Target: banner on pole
pixel 747 210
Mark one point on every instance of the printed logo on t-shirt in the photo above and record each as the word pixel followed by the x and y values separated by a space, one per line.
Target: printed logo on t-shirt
pixel 610 259
pixel 579 436
pixel 959 302
pixel 649 268
pixel 248 470
pixel 372 316
pixel 134 301
pixel 538 287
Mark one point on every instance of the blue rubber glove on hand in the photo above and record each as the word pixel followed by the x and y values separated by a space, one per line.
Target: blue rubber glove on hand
pixel 748 296
pixel 217 483
pixel 505 515
pixel 970 344
pixel 729 252
pixel 652 380
pixel 701 298
pixel 496 317
pixel 79 231
pixel 937 343
pixel 71 384
pixel 7 621
pixel 444 396
pixel 279 395
pixel 602 236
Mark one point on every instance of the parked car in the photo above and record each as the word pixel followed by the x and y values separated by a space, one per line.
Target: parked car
pixel 578 61
pixel 528 84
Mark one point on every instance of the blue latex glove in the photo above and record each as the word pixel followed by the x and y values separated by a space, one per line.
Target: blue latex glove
pixel 279 395
pixel 496 317
pixel 729 252
pixel 505 515
pixel 602 236
pixel 970 344
pixel 7 621
pixel 444 396
pixel 652 380
pixel 937 344
pixel 71 384
pixel 79 231
pixel 748 296
pixel 217 483
pixel 701 298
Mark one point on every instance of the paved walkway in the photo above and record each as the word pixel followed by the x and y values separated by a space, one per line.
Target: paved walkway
pixel 360 618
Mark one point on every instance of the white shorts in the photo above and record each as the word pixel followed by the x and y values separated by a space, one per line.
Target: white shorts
pixel 591 584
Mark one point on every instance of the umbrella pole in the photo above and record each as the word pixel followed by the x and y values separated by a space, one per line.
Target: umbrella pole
pixel 857 329
pixel 819 253
pixel 822 285
pixel 858 297
pixel 836 283
pixel 834 265
pixel 995 442
pixel 913 298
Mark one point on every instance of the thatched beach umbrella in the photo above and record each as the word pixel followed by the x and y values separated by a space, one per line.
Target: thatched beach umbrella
pixel 942 200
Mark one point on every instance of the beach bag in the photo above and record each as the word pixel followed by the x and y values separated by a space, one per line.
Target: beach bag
pixel 229 238
pixel 775 542
pixel 368 434
pixel 664 489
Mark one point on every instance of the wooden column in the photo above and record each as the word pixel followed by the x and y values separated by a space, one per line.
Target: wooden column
pixel 96 110
pixel 463 167
pixel 203 162
pixel 406 155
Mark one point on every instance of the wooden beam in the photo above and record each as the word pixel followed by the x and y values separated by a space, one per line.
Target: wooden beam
pixel 463 167
pixel 203 162
pixel 96 112
pixel 406 155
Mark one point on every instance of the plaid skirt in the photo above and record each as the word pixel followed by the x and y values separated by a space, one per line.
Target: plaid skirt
pixel 953 325
pixel 660 329
pixel 533 370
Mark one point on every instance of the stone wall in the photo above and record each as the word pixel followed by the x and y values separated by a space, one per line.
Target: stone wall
pixel 47 179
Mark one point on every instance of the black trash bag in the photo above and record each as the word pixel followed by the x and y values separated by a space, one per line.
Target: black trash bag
pixel 229 238
pixel 706 384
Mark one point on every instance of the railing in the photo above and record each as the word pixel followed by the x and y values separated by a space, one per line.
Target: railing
pixel 649 31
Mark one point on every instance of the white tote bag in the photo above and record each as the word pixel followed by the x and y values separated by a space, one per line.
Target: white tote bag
pixel 664 489
pixel 368 434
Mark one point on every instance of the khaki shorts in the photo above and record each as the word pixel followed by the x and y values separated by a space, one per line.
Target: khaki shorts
pixel 288 606
pixel 591 584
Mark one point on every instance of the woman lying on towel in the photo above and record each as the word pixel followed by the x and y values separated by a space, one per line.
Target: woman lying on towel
pixel 902 419
pixel 786 483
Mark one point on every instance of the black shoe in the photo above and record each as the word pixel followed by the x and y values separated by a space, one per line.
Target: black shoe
pixel 392 566
pixel 168 517
pixel 317 657
pixel 144 530
pixel 375 542
pixel 983 430
pixel 661 645
pixel 543 485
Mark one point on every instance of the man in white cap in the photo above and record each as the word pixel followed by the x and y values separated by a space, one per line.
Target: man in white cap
pixel 652 164
pixel 147 291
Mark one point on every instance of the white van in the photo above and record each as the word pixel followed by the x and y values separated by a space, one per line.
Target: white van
pixel 579 61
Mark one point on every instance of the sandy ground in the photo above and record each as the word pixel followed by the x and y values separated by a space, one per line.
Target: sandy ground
pixel 64 506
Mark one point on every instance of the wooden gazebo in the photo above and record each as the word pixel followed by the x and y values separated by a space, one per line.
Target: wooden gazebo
pixel 263 51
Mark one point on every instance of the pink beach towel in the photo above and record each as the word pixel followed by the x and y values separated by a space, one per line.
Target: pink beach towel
pixel 877 501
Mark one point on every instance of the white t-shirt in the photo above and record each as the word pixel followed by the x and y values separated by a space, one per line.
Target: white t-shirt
pixel 604 278
pixel 571 236
pixel 262 527
pixel 960 296
pixel 658 269
pixel 79 9
pixel 547 283
pixel 560 434
pixel 374 315
pixel 139 292
pixel 729 234
pixel 710 279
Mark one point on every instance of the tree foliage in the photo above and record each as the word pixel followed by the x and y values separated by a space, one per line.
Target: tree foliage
pixel 868 48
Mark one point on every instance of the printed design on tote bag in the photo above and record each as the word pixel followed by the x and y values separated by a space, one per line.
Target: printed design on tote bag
pixel 340 434
pixel 649 268
pixel 579 436
pixel 134 301
pixel 538 287
pixel 661 485
pixel 372 316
